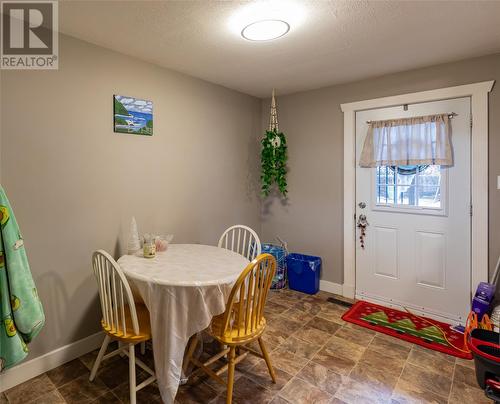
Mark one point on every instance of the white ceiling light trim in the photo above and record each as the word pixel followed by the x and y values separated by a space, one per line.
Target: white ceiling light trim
pixel 265 30
pixel 288 12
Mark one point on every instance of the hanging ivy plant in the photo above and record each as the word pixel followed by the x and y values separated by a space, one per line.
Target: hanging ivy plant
pixel 273 160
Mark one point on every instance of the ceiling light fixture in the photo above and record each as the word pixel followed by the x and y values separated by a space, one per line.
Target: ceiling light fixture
pixel 265 30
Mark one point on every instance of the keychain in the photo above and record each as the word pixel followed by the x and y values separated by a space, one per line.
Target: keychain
pixel 362 224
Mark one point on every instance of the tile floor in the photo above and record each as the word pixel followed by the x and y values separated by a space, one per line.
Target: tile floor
pixel 318 359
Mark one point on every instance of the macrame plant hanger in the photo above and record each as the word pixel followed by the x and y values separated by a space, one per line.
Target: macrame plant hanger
pixel 273 123
pixel 273 117
pixel 273 154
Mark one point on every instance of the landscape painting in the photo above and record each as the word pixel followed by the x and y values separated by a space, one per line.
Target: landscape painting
pixel 133 115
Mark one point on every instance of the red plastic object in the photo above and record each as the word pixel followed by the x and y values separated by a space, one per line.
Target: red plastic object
pixel 492 390
pixel 475 345
pixel 493 384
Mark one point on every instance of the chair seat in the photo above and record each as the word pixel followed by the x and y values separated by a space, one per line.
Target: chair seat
pixel 234 335
pixel 129 337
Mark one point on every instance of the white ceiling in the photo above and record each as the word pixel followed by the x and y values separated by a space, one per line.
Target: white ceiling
pixel 329 42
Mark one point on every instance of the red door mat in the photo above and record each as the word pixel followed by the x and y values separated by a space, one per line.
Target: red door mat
pixel 417 330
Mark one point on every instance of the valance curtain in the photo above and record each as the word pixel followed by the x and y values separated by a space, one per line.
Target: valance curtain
pixel 408 141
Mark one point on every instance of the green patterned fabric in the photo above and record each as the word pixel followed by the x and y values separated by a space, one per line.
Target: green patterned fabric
pixel 406 326
pixel 21 311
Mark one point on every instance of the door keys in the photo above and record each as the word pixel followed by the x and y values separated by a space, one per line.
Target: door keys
pixel 362 224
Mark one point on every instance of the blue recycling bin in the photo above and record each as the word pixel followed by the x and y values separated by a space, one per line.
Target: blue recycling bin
pixel 303 272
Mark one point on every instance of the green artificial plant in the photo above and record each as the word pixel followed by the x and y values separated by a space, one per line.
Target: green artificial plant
pixel 273 160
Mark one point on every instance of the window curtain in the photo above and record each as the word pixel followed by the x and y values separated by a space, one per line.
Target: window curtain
pixel 408 141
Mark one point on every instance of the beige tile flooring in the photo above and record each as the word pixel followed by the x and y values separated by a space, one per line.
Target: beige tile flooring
pixel 318 358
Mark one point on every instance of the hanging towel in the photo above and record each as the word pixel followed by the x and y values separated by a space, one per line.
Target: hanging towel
pixel 21 310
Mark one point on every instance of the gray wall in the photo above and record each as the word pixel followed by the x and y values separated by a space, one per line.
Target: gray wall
pixel 311 219
pixel 74 184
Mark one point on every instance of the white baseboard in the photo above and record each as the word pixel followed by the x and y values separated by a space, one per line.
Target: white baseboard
pixel 331 287
pixel 34 367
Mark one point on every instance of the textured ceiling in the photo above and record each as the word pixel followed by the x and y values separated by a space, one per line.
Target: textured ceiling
pixel 329 42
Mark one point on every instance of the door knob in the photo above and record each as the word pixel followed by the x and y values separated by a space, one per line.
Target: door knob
pixel 362 205
pixel 362 221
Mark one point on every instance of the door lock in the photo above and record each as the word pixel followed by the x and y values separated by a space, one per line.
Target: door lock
pixel 362 205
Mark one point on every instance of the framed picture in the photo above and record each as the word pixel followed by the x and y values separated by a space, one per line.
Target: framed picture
pixel 132 115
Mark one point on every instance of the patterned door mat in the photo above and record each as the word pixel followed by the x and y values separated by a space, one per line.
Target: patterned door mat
pixel 406 326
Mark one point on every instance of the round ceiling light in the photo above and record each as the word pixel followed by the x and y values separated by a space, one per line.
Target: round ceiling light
pixel 265 30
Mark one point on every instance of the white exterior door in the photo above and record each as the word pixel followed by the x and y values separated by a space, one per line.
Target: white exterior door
pixel 417 246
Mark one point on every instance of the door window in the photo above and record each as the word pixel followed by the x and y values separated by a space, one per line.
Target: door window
pixel 417 186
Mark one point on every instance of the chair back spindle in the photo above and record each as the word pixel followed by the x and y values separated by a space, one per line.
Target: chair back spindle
pixel 119 316
pixel 242 240
pixel 245 307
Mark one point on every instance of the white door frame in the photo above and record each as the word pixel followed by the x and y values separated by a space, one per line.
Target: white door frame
pixel 479 172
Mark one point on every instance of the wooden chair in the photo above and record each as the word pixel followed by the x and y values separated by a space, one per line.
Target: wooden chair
pixel 242 240
pixel 242 322
pixel 122 320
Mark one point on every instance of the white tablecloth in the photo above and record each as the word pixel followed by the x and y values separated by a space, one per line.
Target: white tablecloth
pixel 183 288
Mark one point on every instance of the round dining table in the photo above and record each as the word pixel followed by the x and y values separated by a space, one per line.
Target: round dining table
pixel 183 288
